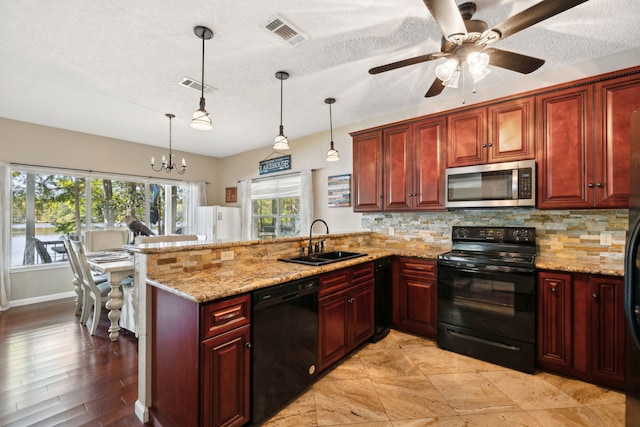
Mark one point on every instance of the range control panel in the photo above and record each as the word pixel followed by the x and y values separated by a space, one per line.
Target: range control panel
pixel 494 234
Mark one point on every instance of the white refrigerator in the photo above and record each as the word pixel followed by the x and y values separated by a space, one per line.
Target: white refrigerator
pixel 218 223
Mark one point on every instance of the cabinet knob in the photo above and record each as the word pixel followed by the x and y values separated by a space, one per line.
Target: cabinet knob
pixel 554 290
pixel 594 296
pixel 590 185
pixel 490 145
pixel 599 185
pixel 484 145
pixel 247 344
pixel 350 300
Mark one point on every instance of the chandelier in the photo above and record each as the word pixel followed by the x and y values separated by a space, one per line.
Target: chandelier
pixel 168 164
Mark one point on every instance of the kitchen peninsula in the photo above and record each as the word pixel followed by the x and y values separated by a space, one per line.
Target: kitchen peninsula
pixel 186 277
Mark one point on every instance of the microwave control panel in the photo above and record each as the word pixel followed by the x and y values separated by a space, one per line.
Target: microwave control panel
pixel 525 183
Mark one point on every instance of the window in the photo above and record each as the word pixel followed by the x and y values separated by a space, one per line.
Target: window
pixel 49 204
pixel 279 205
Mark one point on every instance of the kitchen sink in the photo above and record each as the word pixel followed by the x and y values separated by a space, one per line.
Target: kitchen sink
pixel 323 258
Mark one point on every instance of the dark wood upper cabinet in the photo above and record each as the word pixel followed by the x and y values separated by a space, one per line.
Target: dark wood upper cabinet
pixel 501 132
pixel 467 138
pixel 511 131
pixel 583 144
pixel 408 160
pixel 616 100
pixel 367 172
pixel 564 148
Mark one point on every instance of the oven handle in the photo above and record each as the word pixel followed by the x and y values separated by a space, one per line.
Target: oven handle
pixel 484 269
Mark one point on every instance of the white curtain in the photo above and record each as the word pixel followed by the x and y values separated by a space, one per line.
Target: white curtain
pixel 306 200
pixel 5 235
pixel 196 196
pixel 245 203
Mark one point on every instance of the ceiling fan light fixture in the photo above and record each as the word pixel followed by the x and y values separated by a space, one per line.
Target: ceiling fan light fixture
pixel 201 119
pixel 281 142
pixel 332 154
pixel 446 70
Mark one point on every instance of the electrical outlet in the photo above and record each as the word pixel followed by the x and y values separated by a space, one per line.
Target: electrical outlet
pixel 226 256
pixel 605 239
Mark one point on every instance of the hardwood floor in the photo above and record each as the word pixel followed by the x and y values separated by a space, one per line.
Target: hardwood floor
pixel 52 372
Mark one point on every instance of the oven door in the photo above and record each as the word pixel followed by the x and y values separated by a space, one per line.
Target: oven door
pixel 501 303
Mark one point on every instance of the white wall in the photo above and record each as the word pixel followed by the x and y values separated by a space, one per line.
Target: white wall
pixel 27 143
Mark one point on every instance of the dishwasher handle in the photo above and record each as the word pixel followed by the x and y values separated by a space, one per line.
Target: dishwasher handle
pixel 273 295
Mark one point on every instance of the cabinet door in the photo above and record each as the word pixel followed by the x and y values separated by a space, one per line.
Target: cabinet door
pixel 226 364
pixel 332 328
pixel 554 320
pixel 428 160
pixel 608 331
pixel 467 138
pixel 397 168
pixel 362 323
pixel 511 130
pixel 615 101
pixel 565 157
pixel 418 297
pixel 367 172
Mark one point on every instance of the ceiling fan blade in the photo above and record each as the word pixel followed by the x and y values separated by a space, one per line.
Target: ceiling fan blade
pixel 447 16
pixel 405 62
pixel 514 61
pixel 528 17
pixel 436 88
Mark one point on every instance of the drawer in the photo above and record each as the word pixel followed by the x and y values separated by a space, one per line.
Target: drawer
pixel 334 281
pixel 362 273
pixel 223 316
pixel 416 266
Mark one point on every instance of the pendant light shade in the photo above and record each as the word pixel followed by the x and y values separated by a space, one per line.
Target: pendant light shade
pixel 201 119
pixel 168 164
pixel 281 142
pixel 332 154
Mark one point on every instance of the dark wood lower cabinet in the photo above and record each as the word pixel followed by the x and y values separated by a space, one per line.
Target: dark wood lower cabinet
pixel 346 310
pixel 414 296
pixel 581 326
pixel 201 361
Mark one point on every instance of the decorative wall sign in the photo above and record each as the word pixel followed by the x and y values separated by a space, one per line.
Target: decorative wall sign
pixel 231 194
pixel 275 165
pixel 339 190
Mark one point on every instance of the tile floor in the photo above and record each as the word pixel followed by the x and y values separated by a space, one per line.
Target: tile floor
pixel 405 381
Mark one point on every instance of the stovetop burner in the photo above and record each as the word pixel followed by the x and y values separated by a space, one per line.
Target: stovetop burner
pixel 492 246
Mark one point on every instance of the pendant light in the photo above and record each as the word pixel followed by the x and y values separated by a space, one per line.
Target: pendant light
pixel 201 119
pixel 332 154
pixel 168 165
pixel 281 142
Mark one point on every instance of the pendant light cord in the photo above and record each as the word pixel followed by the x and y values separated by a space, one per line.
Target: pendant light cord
pixel 281 94
pixel 202 88
pixel 331 123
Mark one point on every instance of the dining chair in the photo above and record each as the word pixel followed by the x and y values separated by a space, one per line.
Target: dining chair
pixel 94 295
pixel 77 275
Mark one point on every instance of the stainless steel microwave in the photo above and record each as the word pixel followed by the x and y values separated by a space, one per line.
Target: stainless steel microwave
pixel 492 185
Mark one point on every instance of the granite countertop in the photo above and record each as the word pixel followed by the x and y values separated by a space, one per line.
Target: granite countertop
pixel 550 262
pixel 228 280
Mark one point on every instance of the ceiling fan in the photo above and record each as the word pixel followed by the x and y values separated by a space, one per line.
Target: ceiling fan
pixel 468 40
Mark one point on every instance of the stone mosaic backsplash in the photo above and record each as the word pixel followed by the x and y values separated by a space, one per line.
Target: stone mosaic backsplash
pixel 563 234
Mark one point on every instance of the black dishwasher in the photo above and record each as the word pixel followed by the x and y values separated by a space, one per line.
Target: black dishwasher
pixel 383 298
pixel 285 344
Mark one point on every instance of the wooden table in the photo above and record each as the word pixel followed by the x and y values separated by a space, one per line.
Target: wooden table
pixel 115 271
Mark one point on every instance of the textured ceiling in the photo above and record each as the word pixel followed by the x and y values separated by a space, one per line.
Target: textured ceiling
pixel 112 68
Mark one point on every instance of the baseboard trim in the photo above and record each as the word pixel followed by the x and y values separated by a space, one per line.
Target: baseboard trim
pixel 43 298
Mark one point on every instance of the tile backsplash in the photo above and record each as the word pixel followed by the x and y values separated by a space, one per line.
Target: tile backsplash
pixel 570 234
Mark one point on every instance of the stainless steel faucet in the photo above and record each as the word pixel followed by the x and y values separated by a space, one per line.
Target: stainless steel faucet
pixel 310 248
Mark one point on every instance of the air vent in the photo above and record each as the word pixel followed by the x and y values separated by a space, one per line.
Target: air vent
pixel 194 84
pixel 285 31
